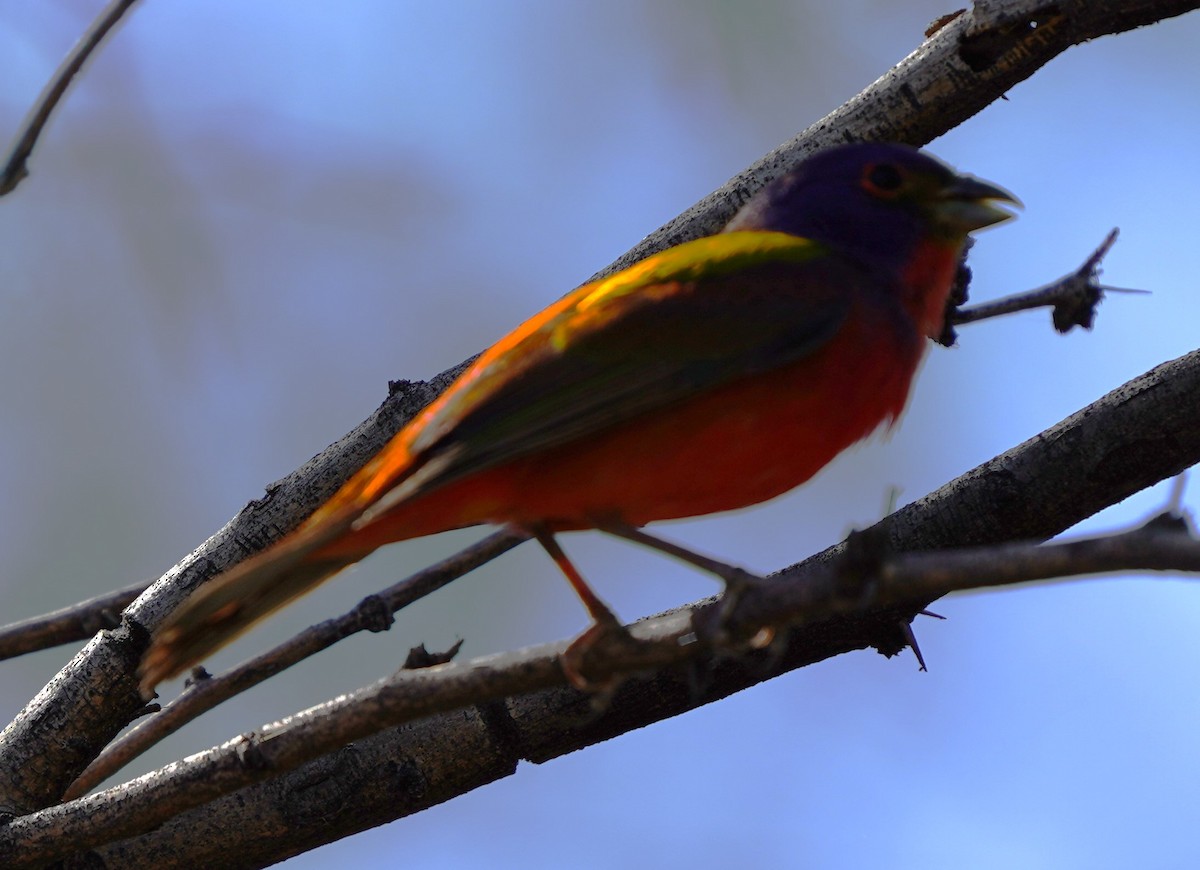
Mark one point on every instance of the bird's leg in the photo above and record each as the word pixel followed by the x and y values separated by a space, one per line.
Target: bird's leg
pixel 736 579
pixel 731 574
pixel 605 631
pixel 597 609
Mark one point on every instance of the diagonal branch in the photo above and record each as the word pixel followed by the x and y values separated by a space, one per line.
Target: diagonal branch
pixel 825 591
pixel 14 169
pixel 949 78
pixel 966 64
pixel 76 622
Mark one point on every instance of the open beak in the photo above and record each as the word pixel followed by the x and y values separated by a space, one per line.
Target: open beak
pixel 968 203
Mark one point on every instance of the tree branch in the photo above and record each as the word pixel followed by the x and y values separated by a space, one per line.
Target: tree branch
pixel 801 601
pixel 15 169
pixel 76 622
pixel 1073 298
pixel 1154 432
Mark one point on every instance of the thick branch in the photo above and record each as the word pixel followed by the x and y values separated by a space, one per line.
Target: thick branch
pixel 823 592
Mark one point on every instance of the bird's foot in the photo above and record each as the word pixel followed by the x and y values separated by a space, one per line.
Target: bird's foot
pixel 591 662
pixel 717 624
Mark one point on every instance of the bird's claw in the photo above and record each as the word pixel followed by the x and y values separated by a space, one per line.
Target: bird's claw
pixel 716 625
pixel 602 643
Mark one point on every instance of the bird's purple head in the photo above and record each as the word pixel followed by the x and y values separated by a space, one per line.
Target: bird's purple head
pixel 874 201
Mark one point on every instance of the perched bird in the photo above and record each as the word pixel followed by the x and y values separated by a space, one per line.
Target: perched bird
pixel 714 375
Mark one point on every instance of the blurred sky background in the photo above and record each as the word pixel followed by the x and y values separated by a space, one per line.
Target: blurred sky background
pixel 248 217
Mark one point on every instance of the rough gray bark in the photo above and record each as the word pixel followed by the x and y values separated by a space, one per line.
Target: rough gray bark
pixel 1141 433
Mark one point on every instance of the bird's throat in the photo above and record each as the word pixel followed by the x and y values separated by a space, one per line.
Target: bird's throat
pixel 927 281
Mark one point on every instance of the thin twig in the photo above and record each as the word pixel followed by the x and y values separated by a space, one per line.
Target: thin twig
pixel 76 622
pixel 902 580
pixel 1073 297
pixel 373 613
pixel 1166 543
pixel 35 121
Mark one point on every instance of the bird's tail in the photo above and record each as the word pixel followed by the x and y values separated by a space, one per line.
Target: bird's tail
pixel 230 604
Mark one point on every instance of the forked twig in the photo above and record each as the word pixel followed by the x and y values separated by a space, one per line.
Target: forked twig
pixel 1073 297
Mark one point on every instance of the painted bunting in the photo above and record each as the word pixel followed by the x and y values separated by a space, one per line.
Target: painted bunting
pixel 714 375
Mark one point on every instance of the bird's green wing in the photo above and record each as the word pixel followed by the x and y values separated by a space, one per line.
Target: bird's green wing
pixel 677 324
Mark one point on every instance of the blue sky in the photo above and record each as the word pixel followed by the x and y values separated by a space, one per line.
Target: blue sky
pixel 249 217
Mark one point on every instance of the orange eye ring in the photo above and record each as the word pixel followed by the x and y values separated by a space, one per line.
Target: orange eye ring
pixel 882 179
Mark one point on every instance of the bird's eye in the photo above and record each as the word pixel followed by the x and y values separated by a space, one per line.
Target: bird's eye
pixel 883 178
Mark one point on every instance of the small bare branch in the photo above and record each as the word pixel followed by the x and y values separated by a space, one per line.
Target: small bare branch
pixel 35 121
pixel 77 622
pixel 1073 298
pixel 1166 543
